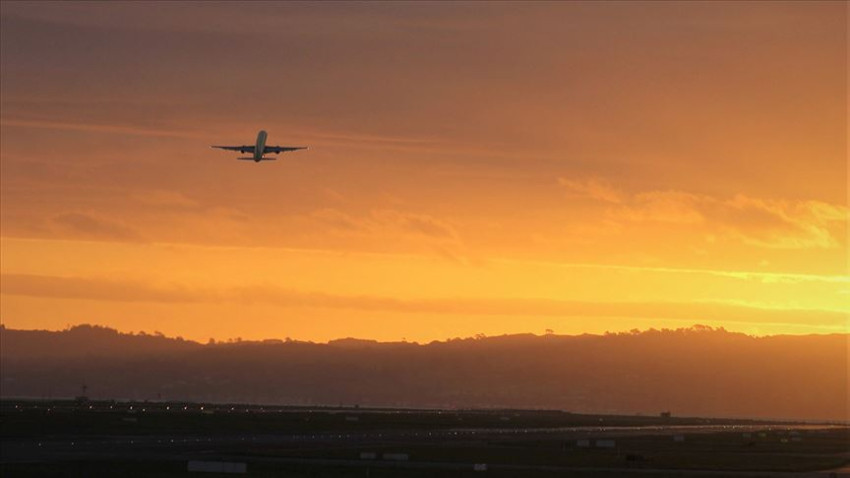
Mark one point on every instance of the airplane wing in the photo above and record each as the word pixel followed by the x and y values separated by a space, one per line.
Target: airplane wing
pixel 241 149
pixel 282 149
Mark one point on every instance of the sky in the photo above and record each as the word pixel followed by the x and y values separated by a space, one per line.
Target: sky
pixel 474 168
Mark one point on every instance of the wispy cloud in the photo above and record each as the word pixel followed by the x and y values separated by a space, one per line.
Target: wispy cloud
pixel 765 277
pixel 592 188
pixel 387 221
pixel 93 226
pixel 99 128
pixel 770 223
pixel 130 291
pixel 339 220
pixel 661 206
pixel 422 224
pixel 161 198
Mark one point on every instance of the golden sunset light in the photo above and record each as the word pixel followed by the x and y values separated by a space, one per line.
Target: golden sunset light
pixel 581 168
pixel 395 239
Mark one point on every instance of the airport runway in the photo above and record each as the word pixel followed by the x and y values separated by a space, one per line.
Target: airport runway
pixel 44 449
pixel 175 448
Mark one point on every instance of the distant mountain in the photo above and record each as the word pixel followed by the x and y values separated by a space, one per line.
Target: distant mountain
pixel 697 371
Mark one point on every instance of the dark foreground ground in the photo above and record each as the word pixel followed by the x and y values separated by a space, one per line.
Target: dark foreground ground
pixel 160 439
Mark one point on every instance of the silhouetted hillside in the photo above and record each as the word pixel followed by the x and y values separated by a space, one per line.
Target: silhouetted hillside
pixel 697 371
pixel 86 340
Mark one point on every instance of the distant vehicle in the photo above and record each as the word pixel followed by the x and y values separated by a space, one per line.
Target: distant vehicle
pixel 260 148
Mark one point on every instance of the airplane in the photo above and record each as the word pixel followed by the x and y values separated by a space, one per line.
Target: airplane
pixel 260 148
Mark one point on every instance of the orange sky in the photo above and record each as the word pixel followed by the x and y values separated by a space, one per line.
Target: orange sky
pixel 473 168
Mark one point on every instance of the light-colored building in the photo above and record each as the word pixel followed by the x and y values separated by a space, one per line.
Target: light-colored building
pixel 396 456
pixel 217 467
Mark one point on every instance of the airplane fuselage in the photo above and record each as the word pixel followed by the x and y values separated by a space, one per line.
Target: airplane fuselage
pixel 260 147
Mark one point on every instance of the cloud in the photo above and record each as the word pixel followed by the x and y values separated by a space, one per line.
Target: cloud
pixel 339 220
pixel 661 206
pixel 754 221
pixel 92 226
pixel 131 291
pixel 780 224
pixel 98 128
pixel 383 222
pixel 769 223
pixel 592 188
pixel 170 199
pixel 95 289
pixel 333 195
pixel 219 213
pixel 422 224
pixel 187 208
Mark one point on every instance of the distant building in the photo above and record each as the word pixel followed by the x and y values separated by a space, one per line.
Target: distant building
pixel 396 456
pixel 582 443
pixel 664 414
pixel 605 443
pixel 216 467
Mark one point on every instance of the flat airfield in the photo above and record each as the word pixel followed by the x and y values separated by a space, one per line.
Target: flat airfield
pixel 68 438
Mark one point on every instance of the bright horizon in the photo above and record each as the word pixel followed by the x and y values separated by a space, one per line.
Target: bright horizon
pixel 693 328
pixel 473 168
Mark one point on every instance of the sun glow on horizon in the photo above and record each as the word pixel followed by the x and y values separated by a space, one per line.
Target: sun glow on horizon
pixel 580 168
